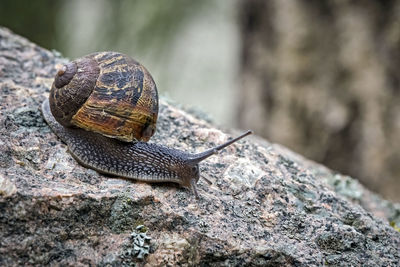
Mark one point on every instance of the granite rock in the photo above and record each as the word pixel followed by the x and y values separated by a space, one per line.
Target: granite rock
pixel 267 206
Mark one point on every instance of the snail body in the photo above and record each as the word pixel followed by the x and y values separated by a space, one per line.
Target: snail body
pixel 104 106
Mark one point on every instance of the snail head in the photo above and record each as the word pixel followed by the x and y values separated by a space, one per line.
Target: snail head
pixel 192 173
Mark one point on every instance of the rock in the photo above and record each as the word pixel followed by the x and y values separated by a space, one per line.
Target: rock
pixel 267 205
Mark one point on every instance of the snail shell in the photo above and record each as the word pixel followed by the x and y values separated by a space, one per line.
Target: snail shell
pixel 108 93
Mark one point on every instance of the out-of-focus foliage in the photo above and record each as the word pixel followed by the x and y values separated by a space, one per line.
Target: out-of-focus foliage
pixel 34 20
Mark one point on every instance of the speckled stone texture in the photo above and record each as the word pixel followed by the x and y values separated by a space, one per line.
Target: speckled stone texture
pixel 267 206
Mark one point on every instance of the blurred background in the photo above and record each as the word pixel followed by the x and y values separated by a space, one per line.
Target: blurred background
pixel 320 77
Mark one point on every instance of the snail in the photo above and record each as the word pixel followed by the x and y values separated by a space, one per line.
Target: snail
pixel 104 107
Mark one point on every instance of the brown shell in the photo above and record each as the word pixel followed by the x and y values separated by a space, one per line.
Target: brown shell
pixel 109 93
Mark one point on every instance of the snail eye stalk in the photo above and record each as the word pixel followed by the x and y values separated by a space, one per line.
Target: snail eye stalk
pixel 196 158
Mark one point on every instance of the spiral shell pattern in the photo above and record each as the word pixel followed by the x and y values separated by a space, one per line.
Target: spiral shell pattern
pixel 108 93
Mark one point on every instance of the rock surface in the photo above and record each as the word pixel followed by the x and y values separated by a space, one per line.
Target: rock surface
pixel 267 205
